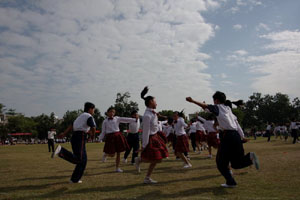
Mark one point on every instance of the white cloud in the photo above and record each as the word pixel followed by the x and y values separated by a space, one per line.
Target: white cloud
pixel 244 4
pixel 62 53
pixel 262 26
pixel 237 27
pixel 277 71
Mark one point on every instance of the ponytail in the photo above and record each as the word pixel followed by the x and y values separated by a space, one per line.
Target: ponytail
pixel 148 98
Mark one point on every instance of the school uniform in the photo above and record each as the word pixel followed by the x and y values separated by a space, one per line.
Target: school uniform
pixel 182 141
pixel 200 132
pixel 154 147
pixel 169 133
pixel 277 131
pixel 212 133
pixel 160 131
pixel 81 127
pixel 133 140
pixel 293 129
pixel 231 148
pixel 115 142
pixel 268 132
pixel 51 140
pixel 192 134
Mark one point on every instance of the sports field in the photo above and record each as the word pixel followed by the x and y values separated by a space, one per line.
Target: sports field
pixel 28 172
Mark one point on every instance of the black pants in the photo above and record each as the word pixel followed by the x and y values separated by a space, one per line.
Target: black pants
pixel 78 157
pixel 269 135
pixel 294 135
pixel 193 140
pixel 231 150
pixel 51 145
pixel 133 141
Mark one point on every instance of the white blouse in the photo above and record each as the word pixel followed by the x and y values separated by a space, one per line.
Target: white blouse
pixel 150 125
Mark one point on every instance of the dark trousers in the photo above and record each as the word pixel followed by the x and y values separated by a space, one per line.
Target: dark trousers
pixel 133 141
pixel 193 140
pixel 78 157
pixel 294 135
pixel 231 150
pixel 51 145
pixel 269 135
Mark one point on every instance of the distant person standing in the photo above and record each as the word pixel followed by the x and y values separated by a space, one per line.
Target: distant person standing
pixel 83 124
pixel 268 131
pixel 293 129
pixel 51 135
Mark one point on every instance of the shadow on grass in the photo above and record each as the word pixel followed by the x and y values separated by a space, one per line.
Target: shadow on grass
pixel 28 187
pixel 217 191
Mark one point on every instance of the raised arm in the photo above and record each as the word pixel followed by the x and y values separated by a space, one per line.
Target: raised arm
pixel 126 120
pixel 202 105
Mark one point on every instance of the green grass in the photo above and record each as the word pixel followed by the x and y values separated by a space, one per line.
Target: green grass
pixel 28 172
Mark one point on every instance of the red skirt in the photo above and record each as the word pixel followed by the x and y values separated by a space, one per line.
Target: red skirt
pixel 182 144
pixel 115 143
pixel 155 150
pixel 212 140
pixel 163 136
pixel 200 136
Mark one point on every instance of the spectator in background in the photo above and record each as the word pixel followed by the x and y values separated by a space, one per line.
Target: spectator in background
pixel 51 135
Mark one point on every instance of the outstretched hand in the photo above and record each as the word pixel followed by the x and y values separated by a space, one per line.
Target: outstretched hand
pixel 189 99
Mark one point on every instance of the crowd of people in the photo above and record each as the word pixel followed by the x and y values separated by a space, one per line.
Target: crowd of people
pixel 162 136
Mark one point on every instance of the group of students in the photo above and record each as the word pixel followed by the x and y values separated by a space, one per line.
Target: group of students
pixel 282 130
pixel 154 141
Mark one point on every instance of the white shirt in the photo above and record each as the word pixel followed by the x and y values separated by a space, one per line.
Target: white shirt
pixel 80 124
pixel 112 125
pixel 193 128
pixel 199 126
pixel 239 128
pixel 150 125
pixel 160 125
pixel 269 127
pixel 283 129
pixel 277 129
pixel 180 126
pixel 169 130
pixel 208 124
pixel 134 126
pixel 225 117
pixel 293 125
pixel 51 135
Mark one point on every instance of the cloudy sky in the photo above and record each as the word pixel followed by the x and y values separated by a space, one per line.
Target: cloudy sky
pixel 55 55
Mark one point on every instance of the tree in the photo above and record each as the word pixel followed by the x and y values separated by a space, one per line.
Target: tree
pixel 2 108
pixel 98 118
pixel 20 123
pixel 43 124
pixel 124 107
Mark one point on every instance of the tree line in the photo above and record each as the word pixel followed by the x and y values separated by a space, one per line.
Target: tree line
pixel 257 111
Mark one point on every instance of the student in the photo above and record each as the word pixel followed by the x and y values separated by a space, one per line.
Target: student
pixel 83 124
pixel 212 133
pixel 231 148
pixel 133 139
pixel 200 136
pixel 115 142
pixel 293 128
pixel 268 131
pixel 170 133
pixel 51 135
pixel 192 134
pixel 182 141
pixel 153 147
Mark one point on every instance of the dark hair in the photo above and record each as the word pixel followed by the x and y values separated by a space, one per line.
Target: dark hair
pixel 133 112
pixel 170 120
pixel 148 98
pixel 88 105
pixel 237 103
pixel 110 108
pixel 219 96
pixel 180 114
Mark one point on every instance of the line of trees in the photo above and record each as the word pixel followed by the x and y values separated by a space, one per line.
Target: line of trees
pixel 256 112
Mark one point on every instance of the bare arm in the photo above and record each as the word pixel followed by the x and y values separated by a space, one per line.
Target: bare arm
pixel 202 105
pixel 62 135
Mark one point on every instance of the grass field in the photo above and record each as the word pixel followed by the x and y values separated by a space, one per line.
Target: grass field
pixel 28 172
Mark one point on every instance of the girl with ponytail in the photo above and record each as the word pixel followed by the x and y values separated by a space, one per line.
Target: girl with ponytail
pixel 153 147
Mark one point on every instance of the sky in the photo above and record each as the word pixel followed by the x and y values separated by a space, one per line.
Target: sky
pixel 57 54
